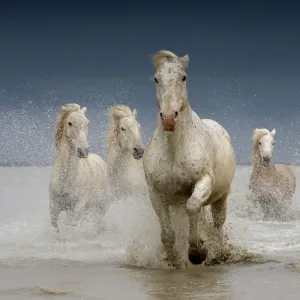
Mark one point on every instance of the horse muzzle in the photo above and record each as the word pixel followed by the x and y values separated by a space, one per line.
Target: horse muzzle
pixel 266 160
pixel 169 121
pixel 82 152
pixel 138 153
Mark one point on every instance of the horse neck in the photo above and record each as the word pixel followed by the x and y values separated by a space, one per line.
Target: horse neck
pixel 183 128
pixel 118 159
pixel 256 161
pixel 257 166
pixel 66 159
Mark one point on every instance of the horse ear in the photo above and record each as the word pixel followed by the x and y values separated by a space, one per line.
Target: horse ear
pixel 84 110
pixel 273 132
pixel 185 61
pixel 134 112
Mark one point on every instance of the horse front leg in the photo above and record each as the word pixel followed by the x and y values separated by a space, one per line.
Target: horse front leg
pixel 54 214
pixel 80 207
pixel 194 205
pixel 54 209
pixel 168 237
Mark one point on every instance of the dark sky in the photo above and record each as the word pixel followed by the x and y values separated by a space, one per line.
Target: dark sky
pixel 244 67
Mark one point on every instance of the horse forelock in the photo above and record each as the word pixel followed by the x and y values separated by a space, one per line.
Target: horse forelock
pixel 61 121
pixel 162 56
pixel 116 113
pixel 258 133
pixel 120 111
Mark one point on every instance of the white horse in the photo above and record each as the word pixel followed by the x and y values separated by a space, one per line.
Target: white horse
pixel 78 179
pixel 124 152
pixel 272 186
pixel 188 161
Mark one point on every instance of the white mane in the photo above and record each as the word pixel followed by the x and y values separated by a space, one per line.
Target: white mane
pixel 161 56
pixel 116 113
pixel 258 133
pixel 61 121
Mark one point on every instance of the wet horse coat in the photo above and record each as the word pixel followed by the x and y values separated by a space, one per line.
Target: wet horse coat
pixel 188 161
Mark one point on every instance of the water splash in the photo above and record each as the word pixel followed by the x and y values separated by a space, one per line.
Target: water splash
pixel 129 233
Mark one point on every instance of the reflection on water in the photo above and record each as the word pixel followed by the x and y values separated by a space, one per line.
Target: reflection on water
pixel 207 282
pixel 89 281
pixel 240 282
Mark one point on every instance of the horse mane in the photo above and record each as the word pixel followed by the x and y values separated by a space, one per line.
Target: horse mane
pixel 258 133
pixel 161 56
pixel 116 113
pixel 61 121
pixel 120 111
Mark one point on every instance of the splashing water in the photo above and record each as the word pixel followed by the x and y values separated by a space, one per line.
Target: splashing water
pixel 129 233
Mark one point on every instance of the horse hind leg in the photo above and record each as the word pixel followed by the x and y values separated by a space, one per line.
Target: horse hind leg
pixel 219 211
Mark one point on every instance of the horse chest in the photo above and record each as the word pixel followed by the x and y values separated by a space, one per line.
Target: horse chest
pixel 68 185
pixel 175 178
pixel 174 169
pixel 266 184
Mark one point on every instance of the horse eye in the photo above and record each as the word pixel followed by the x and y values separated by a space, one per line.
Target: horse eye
pixel 273 143
pixel 155 79
pixel 70 124
pixel 259 143
pixel 184 78
pixel 122 128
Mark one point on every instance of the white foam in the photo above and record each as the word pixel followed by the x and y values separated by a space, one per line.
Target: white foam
pixel 128 234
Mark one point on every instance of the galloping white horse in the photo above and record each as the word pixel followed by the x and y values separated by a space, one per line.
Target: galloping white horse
pixel 272 186
pixel 125 151
pixel 78 178
pixel 188 161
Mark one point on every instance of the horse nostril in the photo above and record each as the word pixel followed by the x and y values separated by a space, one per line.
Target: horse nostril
pixel 82 152
pixel 135 149
pixel 161 115
pixel 176 114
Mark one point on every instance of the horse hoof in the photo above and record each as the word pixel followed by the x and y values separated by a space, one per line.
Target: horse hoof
pixel 197 257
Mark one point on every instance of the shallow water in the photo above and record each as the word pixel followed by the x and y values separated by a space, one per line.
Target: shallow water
pixel 121 259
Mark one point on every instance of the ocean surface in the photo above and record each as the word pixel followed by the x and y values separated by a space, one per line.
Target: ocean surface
pixel 119 255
